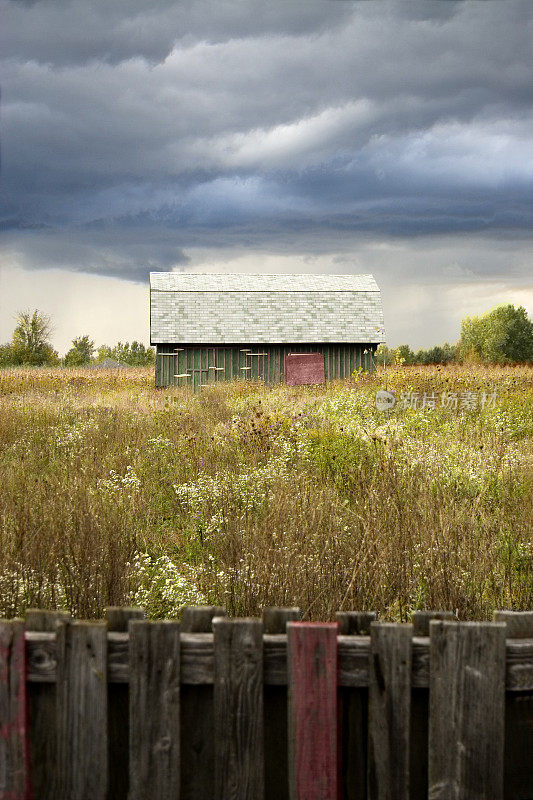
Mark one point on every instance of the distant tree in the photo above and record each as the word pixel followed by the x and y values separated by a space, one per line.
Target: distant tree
pixel 134 354
pixel 30 344
pixel 80 353
pixel 6 355
pixel 384 355
pixel 440 354
pixel 502 335
pixel 403 354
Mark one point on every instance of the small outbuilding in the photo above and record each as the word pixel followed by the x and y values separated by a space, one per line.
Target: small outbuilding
pixel 276 328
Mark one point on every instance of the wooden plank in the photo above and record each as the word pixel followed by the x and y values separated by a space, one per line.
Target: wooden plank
pixel 42 704
pixel 355 623
pixel 421 620
pixel 313 720
pixel 82 710
pixel 275 619
pixel 467 710
pixel 389 713
pixel 238 709
pixel 118 618
pixel 519 623
pixel 197 746
pixel 154 710
pixel 197 660
pixel 276 739
pixel 199 619
pixel 354 714
pixel 15 778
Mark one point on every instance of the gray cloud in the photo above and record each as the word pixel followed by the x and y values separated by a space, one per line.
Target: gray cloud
pixel 139 133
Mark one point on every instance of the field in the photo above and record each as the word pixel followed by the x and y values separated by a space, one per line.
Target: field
pixel 113 493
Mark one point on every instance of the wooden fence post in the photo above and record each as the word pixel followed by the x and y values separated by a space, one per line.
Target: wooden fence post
pixel 154 710
pixel 118 711
pixel 119 617
pixel 197 739
pixel 238 709
pixel 42 697
pixel 389 712
pixel 519 624
pixel 421 620
pixel 15 778
pixel 354 713
pixel 313 711
pixel 82 755
pixel 466 710
pixel 355 623
pixel 199 619
pixel 275 619
pixel 276 734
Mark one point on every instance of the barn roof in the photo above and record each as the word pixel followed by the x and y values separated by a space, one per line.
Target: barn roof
pixel 189 308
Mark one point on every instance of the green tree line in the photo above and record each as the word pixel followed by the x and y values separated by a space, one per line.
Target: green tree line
pixel 30 346
pixel 503 335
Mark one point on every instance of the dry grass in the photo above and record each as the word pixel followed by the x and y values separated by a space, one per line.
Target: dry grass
pixel 113 492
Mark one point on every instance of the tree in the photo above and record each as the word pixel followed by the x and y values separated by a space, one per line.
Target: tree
pixel 502 335
pixel 80 353
pixel 134 354
pixel 30 343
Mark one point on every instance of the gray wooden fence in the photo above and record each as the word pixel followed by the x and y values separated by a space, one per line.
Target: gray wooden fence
pixel 213 708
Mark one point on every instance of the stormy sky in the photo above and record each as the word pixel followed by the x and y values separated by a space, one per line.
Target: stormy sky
pixel 252 136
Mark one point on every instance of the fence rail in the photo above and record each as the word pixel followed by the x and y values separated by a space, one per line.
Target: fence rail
pixel 214 708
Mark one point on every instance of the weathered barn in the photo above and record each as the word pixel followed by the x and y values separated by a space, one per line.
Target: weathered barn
pixel 292 328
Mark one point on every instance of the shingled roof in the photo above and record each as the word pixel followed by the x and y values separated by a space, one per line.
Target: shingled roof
pixel 189 308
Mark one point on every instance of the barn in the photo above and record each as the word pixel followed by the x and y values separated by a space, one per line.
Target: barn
pixel 276 328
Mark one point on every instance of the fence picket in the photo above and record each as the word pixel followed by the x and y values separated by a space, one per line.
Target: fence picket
pixel 389 713
pixel 355 623
pixel 276 735
pixel 313 720
pixel 197 740
pixel 15 779
pixel 519 623
pixel 199 619
pixel 42 703
pixel 275 619
pixel 154 710
pixel 118 617
pixel 82 755
pixel 467 710
pixel 238 709
pixel 421 620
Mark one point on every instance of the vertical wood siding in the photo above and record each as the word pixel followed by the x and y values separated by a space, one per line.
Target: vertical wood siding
pixel 202 365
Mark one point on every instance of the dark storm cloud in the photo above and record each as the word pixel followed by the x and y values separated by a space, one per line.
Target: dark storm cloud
pixel 260 123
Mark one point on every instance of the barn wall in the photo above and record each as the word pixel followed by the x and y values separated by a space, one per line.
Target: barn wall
pixel 202 365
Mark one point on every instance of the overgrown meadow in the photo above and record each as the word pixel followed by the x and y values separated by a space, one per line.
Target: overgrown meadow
pixel 113 492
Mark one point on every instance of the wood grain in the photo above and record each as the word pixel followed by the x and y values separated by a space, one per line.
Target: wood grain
pixel 197 730
pixel 154 710
pixel 466 711
pixel 355 623
pixel 82 748
pixel 519 623
pixel 199 619
pixel 313 713
pixel 197 661
pixel 42 702
pixel 389 713
pixel 15 779
pixel 238 709
pixel 275 619
pixel 118 617
pixel 421 620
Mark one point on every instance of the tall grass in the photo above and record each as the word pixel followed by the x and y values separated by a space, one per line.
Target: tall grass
pixel 113 492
